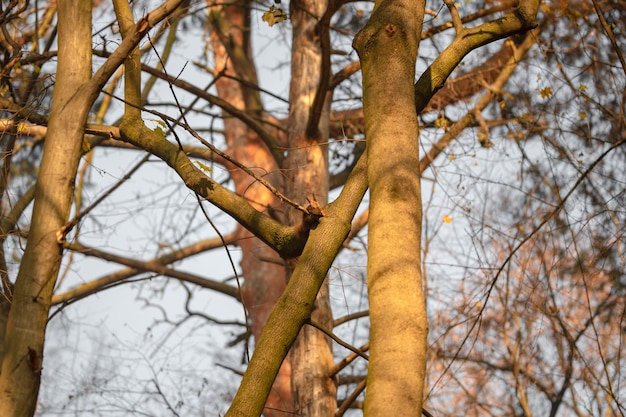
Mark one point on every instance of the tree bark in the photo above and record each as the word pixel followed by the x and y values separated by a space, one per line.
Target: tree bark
pixel 387 47
pixel 306 168
pixel 5 307
pixel 28 317
pixel 75 92
pixel 295 305
pixel 261 267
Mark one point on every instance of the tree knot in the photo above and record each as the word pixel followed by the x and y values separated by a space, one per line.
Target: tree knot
pixel 390 29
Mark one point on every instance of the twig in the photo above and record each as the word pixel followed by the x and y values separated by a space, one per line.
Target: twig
pixel 337 339
pixel 456 19
pixel 228 158
pixel 510 256
pixel 232 265
pixel 347 402
pixel 347 360
pixel 72 223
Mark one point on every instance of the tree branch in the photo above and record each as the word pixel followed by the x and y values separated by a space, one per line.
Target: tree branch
pixel 505 73
pixel 157 265
pixel 333 336
pixel 433 79
pixel 283 239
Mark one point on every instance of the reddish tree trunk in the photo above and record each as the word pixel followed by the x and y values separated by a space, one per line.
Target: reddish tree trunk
pixel 262 268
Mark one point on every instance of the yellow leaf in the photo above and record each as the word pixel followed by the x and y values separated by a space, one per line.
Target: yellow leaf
pixel 483 139
pixel 442 123
pixel 582 88
pixel 274 15
pixel 204 167
pixel 447 219
pixel 22 128
pixel 582 115
pixel 546 92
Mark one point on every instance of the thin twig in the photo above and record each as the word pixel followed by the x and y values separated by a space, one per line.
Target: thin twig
pixel 232 265
pixel 609 33
pixel 337 339
pixel 347 360
pixel 347 402
pixel 77 218
pixel 510 256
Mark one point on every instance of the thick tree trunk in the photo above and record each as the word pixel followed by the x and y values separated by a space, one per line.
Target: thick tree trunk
pixel 304 376
pixel 5 307
pixel 306 168
pixel 262 269
pixel 388 46
pixel 24 339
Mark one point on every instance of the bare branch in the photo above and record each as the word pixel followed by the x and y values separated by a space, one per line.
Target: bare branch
pixel 337 339
pixel 349 400
pixel 348 360
pixel 433 79
pixel 456 19
pixel 138 267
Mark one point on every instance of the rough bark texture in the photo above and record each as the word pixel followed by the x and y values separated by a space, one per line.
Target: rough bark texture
pixel 388 51
pixel 306 168
pixel 24 338
pixel 387 47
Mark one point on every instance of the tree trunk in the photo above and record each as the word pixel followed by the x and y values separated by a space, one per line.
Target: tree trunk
pixel 262 269
pixel 28 317
pixel 306 167
pixel 387 47
pixel 5 307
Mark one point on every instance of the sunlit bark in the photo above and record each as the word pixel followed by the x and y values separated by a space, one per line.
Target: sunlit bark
pixel 298 167
pixel 24 338
pixel 388 46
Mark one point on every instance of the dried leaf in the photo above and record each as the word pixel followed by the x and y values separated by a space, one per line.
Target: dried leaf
pixel 274 15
